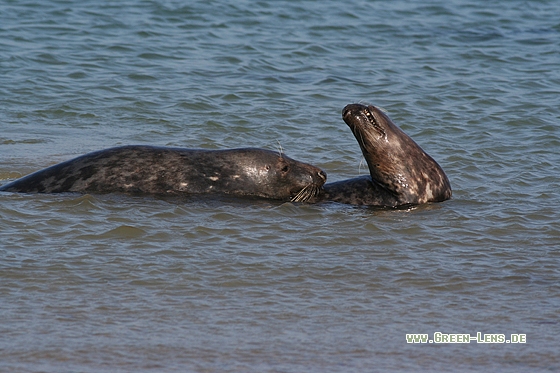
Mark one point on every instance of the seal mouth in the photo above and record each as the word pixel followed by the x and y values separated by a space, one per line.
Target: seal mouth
pixel 370 116
pixel 356 114
pixel 308 192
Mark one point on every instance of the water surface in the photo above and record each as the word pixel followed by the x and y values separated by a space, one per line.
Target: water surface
pixel 121 283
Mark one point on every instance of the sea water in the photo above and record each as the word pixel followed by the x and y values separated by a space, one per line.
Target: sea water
pixel 115 283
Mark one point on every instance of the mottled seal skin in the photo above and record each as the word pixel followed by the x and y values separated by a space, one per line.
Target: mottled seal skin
pixel 401 173
pixel 175 171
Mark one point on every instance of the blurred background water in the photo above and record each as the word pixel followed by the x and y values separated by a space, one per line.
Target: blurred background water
pixel 120 283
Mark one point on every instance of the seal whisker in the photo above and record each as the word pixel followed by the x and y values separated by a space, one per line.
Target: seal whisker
pixel 280 149
pixel 308 192
pixel 300 195
pixel 362 161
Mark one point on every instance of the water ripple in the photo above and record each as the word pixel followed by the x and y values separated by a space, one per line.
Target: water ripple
pixel 90 283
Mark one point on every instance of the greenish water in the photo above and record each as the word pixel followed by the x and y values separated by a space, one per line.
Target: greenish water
pixel 118 283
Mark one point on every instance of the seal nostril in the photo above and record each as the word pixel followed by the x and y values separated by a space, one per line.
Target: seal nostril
pixel 322 175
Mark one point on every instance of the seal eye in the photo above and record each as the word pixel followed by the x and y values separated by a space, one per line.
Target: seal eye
pixel 285 169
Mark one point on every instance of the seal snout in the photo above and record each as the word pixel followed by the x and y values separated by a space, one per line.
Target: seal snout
pixel 322 175
pixel 354 114
pixel 347 111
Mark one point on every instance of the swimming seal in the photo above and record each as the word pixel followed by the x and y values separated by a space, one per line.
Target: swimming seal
pixel 174 171
pixel 401 173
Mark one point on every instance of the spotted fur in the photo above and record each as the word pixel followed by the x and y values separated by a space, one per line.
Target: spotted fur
pixel 401 173
pixel 173 171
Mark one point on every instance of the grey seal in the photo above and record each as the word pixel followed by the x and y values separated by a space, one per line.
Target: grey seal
pixel 139 169
pixel 401 173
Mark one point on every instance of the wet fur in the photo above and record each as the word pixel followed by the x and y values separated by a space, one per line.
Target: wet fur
pixel 165 171
pixel 401 173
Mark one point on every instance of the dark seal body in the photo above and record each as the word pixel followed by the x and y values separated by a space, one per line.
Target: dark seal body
pixel 164 171
pixel 401 173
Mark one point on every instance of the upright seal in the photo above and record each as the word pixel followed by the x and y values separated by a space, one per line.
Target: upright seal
pixel 401 173
pixel 165 171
